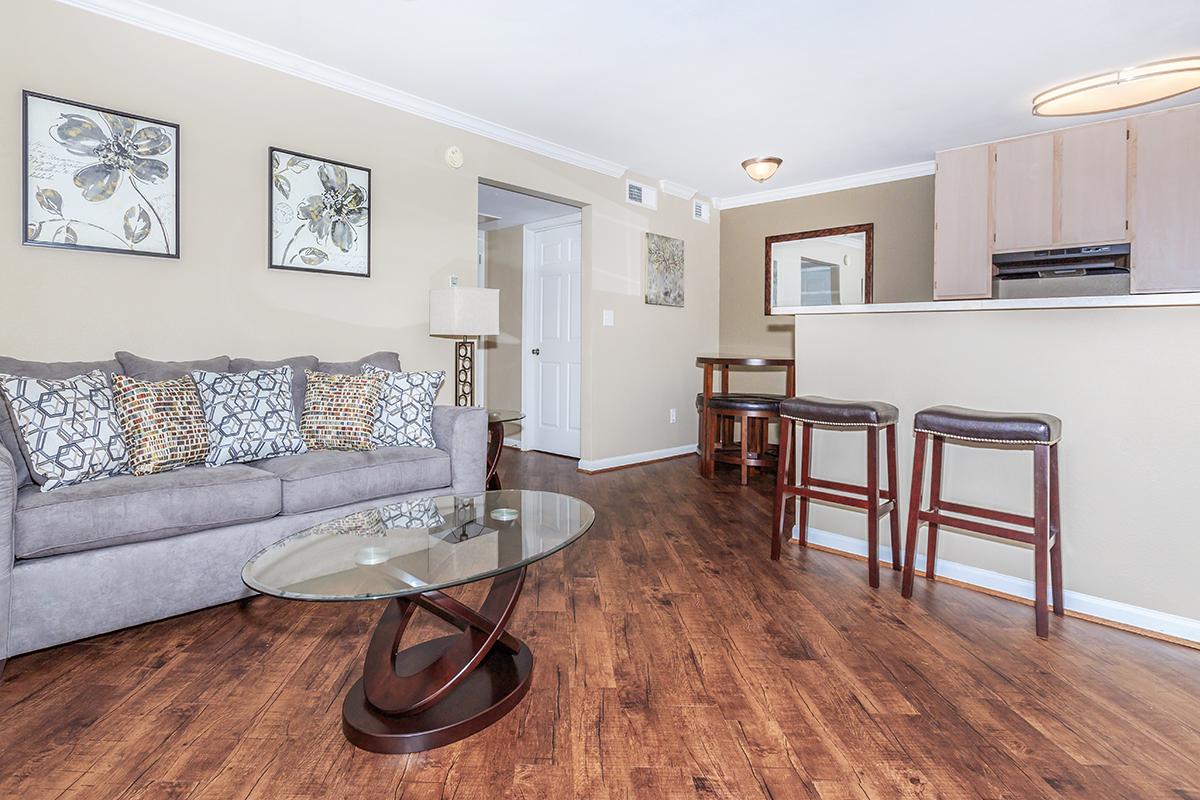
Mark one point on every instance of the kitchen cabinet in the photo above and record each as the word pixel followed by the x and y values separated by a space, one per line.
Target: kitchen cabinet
pixel 1165 212
pixel 1023 193
pixel 962 266
pixel 1092 172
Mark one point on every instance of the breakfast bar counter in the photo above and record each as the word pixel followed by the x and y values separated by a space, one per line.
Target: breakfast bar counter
pixel 1123 374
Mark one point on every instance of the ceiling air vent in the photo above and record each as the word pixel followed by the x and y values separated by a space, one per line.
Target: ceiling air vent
pixel 700 210
pixel 641 195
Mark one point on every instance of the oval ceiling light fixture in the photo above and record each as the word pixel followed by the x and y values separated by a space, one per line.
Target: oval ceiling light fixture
pixel 1116 91
pixel 761 169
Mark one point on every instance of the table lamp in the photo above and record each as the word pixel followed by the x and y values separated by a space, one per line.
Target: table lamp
pixel 464 314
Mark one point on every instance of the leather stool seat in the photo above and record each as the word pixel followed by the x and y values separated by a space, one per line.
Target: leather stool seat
pixel 741 401
pixel 955 422
pixel 851 413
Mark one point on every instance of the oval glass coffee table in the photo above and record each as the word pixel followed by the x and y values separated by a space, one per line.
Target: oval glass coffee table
pixel 444 689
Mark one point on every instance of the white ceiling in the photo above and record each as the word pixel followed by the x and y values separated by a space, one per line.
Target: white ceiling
pixel 514 208
pixel 687 90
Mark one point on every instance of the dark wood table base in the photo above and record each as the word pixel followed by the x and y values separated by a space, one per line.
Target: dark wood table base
pixel 495 447
pixel 442 690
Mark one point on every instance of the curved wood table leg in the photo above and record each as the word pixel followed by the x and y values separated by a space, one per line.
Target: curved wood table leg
pixel 495 446
pixel 441 690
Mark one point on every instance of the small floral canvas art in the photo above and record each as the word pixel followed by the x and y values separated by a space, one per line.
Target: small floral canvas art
pixel 98 179
pixel 664 270
pixel 320 215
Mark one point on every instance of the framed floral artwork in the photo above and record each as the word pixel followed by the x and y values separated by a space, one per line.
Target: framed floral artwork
pixel 98 179
pixel 664 270
pixel 320 215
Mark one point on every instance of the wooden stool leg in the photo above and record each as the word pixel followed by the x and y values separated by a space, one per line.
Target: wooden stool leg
pixel 914 508
pixel 805 467
pixel 1041 536
pixel 710 442
pixel 935 502
pixel 893 485
pixel 781 472
pixel 745 426
pixel 873 507
pixel 701 429
pixel 1056 579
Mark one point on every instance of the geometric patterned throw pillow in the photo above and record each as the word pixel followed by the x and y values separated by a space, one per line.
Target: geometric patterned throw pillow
pixel 162 422
pixel 339 410
pixel 249 415
pixel 70 431
pixel 404 416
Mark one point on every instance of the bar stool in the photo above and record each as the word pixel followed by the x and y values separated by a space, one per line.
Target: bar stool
pixel 753 414
pixel 1005 431
pixel 867 415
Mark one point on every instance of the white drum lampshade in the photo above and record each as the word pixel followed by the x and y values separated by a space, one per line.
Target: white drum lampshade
pixel 464 313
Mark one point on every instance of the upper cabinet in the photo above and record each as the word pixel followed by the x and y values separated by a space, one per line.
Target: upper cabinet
pixel 1165 218
pixel 961 253
pixel 1023 198
pixel 1092 166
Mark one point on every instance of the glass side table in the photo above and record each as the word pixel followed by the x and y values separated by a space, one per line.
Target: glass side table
pixel 496 419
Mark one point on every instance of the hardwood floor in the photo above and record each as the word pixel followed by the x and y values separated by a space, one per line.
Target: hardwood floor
pixel 673 660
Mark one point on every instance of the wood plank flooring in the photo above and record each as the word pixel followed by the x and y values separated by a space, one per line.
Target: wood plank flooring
pixel 673 660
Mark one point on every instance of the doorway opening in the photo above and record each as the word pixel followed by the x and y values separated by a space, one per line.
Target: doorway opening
pixel 530 248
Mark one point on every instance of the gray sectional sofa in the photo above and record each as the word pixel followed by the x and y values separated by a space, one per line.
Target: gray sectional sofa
pixel 99 556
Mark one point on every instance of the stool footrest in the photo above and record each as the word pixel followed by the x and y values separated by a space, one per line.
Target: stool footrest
pixel 935 517
pixel 848 488
pixel 986 513
pixel 861 503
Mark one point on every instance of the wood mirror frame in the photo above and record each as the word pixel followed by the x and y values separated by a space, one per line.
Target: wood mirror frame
pixel 867 228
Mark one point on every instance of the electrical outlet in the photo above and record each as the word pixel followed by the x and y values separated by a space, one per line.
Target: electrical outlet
pixel 607 318
pixel 453 281
pixel 673 419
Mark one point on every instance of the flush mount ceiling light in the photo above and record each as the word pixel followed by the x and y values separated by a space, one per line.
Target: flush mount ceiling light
pixel 761 169
pixel 1114 91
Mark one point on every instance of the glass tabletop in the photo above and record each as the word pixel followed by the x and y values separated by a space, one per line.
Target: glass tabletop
pixel 504 415
pixel 419 545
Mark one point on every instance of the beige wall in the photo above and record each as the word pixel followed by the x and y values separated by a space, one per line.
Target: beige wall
pixel 1125 382
pixel 505 251
pixel 219 297
pixel 902 212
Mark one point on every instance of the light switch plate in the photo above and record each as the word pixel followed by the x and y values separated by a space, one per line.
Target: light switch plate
pixel 608 318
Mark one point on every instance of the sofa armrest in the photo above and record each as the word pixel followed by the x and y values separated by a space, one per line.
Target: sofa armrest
pixel 462 432
pixel 8 508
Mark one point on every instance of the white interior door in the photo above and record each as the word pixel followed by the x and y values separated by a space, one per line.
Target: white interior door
pixel 553 353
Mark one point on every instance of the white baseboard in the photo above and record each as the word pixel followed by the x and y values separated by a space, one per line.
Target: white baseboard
pixel 598 464
pixel 1111 610
pixel 511 442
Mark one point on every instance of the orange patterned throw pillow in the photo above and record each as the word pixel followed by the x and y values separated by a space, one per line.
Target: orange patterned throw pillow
pixel 162 423
pixel 339 411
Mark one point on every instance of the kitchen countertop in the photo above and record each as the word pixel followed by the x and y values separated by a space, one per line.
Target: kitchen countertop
pixel 1114 301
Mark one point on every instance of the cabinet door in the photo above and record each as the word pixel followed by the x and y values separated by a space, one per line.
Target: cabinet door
pixel 1092 174
pixel 1023 203
pixel 961 257
pixel 1166 201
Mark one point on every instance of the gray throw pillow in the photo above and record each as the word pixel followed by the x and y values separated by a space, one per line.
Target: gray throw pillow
pixel 148 369
pixel 69 427
pixel 384 359
pixel 298 365
pixel 9 438
pixel 249 416
pixel 404 415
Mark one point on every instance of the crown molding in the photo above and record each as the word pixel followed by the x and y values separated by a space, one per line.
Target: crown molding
pixel 888 175
pixel 677 189
pixel 168 23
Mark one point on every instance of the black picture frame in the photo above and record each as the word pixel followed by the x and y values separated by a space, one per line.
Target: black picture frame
pixel 26 95
pixel 272 151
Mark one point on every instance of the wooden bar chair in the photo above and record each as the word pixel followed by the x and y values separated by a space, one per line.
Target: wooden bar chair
pixel 869 415
pixel 1041 432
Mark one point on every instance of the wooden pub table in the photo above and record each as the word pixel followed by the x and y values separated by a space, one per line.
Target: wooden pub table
pixel 754 410
pixel 445 689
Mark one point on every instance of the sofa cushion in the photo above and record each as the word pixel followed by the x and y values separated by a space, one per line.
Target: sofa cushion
pixel 322 479
pixel 147 369
pixel 339 411
pixel 9 437
pixel 162 423
pixel 384 359
pixel 69 429
pixel 298 365
pixel 129 508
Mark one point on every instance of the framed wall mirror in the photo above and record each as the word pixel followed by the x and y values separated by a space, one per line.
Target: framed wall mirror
pixel 826 267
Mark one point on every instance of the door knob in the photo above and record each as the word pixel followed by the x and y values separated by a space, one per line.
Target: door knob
pixel 537 351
